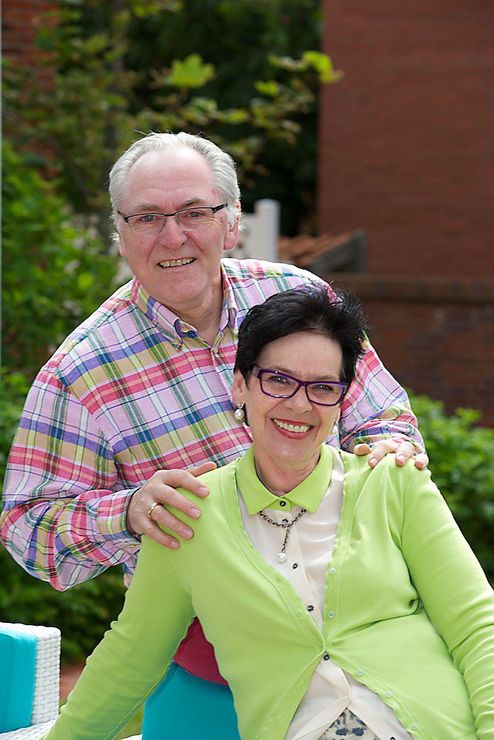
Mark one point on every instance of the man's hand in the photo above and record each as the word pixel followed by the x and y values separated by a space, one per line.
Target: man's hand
pixel 147 506
pixel 403 451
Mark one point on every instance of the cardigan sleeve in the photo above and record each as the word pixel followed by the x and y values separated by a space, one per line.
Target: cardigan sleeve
pixel 454 590
pixel 134 654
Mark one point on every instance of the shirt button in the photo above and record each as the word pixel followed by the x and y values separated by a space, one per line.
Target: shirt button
pixel 133 547
pixel 310 608
pixel 325 656
pixel 285 521
pixel 295 566
pixel 282 503
pixel 331 615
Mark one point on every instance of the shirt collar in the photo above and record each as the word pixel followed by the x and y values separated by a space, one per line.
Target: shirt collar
pixel 307 494
pixel 172 326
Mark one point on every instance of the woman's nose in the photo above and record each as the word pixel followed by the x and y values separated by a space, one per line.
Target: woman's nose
pixel 299 401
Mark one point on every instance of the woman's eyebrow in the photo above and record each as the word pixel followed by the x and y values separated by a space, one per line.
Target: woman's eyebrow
pixel 322 378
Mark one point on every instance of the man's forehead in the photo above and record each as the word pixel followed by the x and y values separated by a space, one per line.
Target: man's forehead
pixel 180 173
pixel 166 162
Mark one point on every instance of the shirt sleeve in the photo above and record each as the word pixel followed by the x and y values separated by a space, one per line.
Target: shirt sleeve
pixel 62 519
pixel 454 591
pixel 376 407
pixel 134 655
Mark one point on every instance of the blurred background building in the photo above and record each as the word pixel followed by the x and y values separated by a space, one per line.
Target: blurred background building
pixel 405 191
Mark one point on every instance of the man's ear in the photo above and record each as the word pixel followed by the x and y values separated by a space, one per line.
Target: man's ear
pixel 121 249
pixel 231 238
pixel 238 388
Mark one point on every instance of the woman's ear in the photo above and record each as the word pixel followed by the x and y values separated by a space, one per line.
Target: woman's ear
pixel 238 388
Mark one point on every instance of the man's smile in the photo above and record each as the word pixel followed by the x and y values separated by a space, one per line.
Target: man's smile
pixel 176 263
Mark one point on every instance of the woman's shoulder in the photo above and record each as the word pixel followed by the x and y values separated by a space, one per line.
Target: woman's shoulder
pixel 358 465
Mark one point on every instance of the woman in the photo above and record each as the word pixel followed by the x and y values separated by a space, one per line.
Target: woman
pixel 340 600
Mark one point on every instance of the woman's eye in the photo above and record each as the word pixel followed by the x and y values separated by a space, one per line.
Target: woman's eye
pixel 277 379
pixel 326 388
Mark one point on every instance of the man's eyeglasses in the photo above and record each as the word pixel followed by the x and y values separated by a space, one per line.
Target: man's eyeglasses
pixel 188 219
pixel 280 385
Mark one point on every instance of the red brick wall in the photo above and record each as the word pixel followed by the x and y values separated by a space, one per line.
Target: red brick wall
pixel 436 335
pixel 19 21
pixel 406 139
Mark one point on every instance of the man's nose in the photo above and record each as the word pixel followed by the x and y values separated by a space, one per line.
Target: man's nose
pixel 172 234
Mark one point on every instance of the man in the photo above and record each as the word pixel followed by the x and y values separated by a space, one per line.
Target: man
pixel 137 401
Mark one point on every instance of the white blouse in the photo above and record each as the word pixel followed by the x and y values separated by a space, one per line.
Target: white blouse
pixel 309 548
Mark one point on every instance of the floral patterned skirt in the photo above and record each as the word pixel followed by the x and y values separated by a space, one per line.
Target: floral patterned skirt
pixel 348 726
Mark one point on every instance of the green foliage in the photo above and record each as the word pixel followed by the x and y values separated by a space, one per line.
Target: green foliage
pixel 462 465
pixel 54 273
pixel 13 388
pixel 116 69
pixel 82 613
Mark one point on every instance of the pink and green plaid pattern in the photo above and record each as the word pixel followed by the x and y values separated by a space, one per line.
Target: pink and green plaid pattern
pixel 133 390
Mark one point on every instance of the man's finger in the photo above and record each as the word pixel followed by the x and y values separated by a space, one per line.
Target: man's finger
pixel 163 538
pixel 381 449
pixel 204 467
pixel 362 449
pixel 421 460
pixel 162 517
pixel 404 452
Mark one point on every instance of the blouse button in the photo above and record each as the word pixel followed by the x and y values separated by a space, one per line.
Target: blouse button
pixel 282 503
pixel 310 608
pixel 294 566
pixel 325 656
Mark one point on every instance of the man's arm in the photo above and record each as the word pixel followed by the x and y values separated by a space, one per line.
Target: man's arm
pixel 376 416
pixel 64 519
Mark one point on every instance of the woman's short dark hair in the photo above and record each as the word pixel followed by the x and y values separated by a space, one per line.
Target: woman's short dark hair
pixel 308 308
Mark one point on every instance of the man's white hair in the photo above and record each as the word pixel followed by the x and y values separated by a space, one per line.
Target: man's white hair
pixel 220 163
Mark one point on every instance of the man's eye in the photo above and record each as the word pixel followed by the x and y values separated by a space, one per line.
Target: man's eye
pixel 194 214
pixel 147 218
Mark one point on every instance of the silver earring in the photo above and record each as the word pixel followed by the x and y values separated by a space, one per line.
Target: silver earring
pixel 239 413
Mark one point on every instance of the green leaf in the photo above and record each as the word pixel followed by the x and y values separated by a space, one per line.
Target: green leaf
pixel 323 65
pixel 270 88
pixel 190 73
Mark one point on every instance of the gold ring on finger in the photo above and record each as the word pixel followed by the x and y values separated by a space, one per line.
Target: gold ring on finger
pixel 151 509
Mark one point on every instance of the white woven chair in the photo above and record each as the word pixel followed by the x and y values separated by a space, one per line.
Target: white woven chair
pixel 46 699
pixel 45 702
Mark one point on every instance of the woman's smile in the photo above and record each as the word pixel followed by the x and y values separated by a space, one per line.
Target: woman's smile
pixel 292 429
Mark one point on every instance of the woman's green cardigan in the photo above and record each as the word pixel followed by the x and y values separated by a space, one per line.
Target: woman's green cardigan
pixel 408 612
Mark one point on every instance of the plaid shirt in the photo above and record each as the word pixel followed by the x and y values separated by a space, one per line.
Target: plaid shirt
pixel 134 390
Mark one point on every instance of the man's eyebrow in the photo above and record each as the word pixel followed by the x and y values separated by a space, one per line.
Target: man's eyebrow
pixel 153 208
